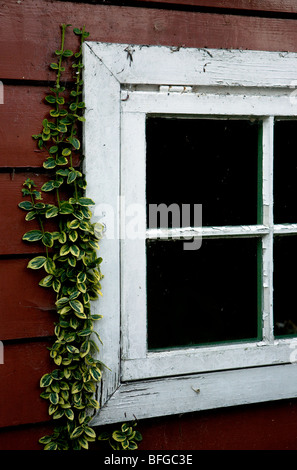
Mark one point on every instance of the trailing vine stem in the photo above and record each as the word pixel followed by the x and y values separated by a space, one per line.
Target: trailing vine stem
pixel 71 264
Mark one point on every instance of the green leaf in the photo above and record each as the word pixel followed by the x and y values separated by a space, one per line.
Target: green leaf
pixel 47 239
pixel 50 99
pixel 74 250
pixel 85 348
pixel 56 285
pixel 77 31
pixel 58 414
pixel 63 172
pixel 85 332
pixel 33 236
pixel 60 100
pixel 49 266
pixel 74 224
pixel 52 409
pixel 52 212
pixel 83 442
pixel 73 235
pixel 90 432
pixel 81 277
pixel 77 306
pixel 69 414
pixel 71 176
pixel 119 436
pixel 49 163
pixel 75 142
pixel 95 373
pixel 80 315
pixel 76 387
pixel 132 445
pixel 26 205
pixel 62 237
pixel 66 152
pixel 46 380
pixel 72 349
pixel 53 149
pixel 104 436
pixel 65 310
pixel 62 302
pixel 45 440
pixel 51 446
pixel 48 186
pixel 54 398
pixel 61 160
pixel 46 281
pixel 72 261
pixel 66 208
pixel 65 249
pixel 54 66
pixel 77 432
pixel 61 127
pixel 30 215
pixel 54 113
pixel 85 201
pixel 37 262
pixel 67 53
pixel 138 436
pixel 57 374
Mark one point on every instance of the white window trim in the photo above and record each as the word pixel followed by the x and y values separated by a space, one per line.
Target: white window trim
pixel 124 83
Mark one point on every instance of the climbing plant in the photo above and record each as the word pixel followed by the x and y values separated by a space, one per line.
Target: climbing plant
pixel 69 260
pixel 70 264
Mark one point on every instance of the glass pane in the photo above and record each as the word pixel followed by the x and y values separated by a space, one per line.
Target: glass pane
pixel 203 296
pixel 285 172
pixel 284 293
pixel 213 162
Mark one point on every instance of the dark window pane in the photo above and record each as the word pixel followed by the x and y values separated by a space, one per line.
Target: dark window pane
pixel 203 296
pixel 212 162
pixel 285 172
pixel 284 293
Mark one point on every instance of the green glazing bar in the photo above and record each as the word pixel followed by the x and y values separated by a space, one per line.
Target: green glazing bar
pixel 259 291
pixel 259 244
pixel 260 175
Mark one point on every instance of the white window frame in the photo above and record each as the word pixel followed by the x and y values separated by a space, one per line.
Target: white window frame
pixel 124 84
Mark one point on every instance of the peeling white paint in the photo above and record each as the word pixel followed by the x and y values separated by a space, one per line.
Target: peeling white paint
pixel 124 83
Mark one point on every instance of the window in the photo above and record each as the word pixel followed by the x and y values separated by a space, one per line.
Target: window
pixel 199 312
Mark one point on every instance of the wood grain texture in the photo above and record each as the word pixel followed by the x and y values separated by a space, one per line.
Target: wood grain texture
pixel 21 116
pixel 26 309
pixel 33 32
pixel 277 6
pixel 24 364
pixel 24 437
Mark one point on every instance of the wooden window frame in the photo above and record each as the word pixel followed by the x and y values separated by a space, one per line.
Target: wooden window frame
pixel 123 84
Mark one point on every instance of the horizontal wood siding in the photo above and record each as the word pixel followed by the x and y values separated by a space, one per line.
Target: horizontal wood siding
pixel 270 6
pixel 24 364
pixel 30 33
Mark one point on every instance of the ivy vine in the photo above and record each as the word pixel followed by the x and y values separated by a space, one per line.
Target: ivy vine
pixel 69 259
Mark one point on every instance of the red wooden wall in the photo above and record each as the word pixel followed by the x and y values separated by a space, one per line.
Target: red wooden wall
pixel 29 33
